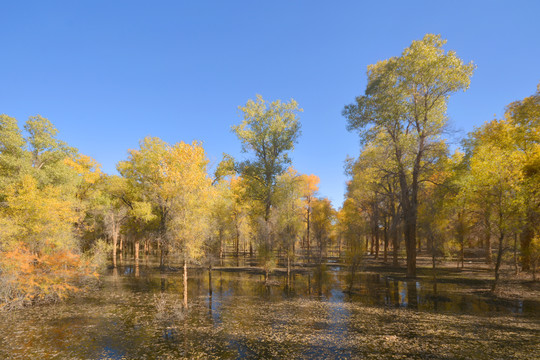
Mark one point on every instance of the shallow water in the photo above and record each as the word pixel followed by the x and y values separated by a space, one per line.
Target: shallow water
pixel 138 314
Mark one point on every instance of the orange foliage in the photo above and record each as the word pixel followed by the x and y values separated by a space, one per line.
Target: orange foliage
pixel 29 277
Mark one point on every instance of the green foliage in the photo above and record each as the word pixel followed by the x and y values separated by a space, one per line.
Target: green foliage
pixel 13 157
pixel 404 111
pixel 269 130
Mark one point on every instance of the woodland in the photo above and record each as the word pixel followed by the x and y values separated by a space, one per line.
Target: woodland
pixel 416 206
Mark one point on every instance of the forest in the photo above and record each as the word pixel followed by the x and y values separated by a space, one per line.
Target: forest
pixel 419 204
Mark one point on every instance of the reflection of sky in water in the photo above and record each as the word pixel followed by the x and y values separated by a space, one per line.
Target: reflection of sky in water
pixel 403 294
pixel 121 316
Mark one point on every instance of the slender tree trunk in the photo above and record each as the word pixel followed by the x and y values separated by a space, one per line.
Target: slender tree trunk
pixel 162 257
pixel 498 263
pixel 136 249
pixel 210 280
pixel 121 248
pixel 376 241
pixel 487 237
pixel 308 229
pixel 395 243
pixel 115 243
pixel 516 266
pixel 185 284
pixel 525 240
pixel 461 251
pixel 237 250
pixel 221 246
pixel 434 262
pixel 339 246
pixel 288 271
pixel 385 241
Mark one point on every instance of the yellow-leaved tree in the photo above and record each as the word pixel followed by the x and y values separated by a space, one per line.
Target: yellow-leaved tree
pixel 42 200
pixel 173 181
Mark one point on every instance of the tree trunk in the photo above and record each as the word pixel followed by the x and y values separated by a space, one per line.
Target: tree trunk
pixel 461 252
pixel 288 271
pixel 210 280
pixel 516 266
pixel 185 285
pixel 434 262
pixel 115 243
pixel 498 263
pixel 121 248
pixel 525 240
pixel 221 246
pixel 409 223
pixel 237 250
pixel 136 249
pixel 385 241
pixel 395 243
pixel 410 245
pixel 308 239
pixel 487 237
pixel 376 241
pixel 162 257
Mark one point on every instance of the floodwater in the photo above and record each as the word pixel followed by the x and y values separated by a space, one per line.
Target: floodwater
pixel 233 314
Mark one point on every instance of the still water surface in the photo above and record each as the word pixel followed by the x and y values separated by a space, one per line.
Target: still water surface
pixel 232 315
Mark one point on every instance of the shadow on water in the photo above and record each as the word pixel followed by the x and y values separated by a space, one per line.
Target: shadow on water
pixel 138 313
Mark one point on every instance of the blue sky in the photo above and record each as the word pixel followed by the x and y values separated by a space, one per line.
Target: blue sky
pixel 108 73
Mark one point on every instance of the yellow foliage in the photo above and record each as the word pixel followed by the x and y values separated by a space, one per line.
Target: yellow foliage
pixel 37 257
pixel 38 214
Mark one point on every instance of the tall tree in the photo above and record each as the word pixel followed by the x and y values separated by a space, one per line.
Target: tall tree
pixel 174 186
pixel 42 199
pixel 524 116
pixel 322 224
pixel 146 184
pixel 493 182
pixel 309 190
pixel 269 130
pixel 288 213
pixel 406 99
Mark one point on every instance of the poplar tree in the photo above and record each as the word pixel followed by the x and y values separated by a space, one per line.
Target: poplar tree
pixel 406 99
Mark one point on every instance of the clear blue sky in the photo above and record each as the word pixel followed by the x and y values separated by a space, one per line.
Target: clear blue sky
pixel 108 73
